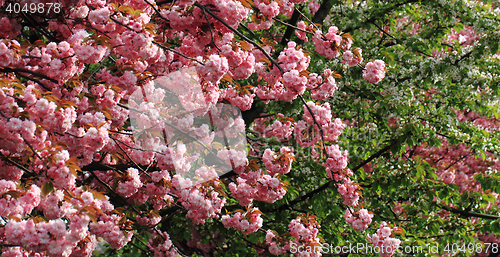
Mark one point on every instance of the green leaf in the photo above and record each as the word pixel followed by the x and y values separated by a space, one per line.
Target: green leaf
pixel 434 228
pixel 489 197
pixel 362 174
pixel 495 227
pixel 420 172
pixel 432 175
pixel 494 47
pixel 47 188
pixel 443 194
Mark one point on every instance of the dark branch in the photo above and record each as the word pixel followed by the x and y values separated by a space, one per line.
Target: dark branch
pixel 331 182
pixel 468 213
pixel 323 11
pixel 17 70
pixel 289 30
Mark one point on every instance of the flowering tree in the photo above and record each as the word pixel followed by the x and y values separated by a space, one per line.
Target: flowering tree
pixel 225 128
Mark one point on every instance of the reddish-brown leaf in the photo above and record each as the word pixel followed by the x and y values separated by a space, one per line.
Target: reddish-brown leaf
pixel 245 45
pixel 246 3
pixel 13 193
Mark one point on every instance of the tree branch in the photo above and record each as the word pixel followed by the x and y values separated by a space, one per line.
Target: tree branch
pixel 323 11
pixel 331 182
pixel 468 213
pixel 17 70
pixel 289 30
pixel 112 190
pixel 105 167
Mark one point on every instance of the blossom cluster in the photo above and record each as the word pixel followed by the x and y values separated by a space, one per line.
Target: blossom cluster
pixel 348 190
pixel 109 230
pixel 161 245
pixel 384 240
pixel 272 240
pixel 331 43
pixel 303 230
pixel 321 115
pixel 256 186
pixel 278 164
pixel 202 203
pixel 245 222
pixel 53 236
pixel 322 87
pixel 352 57
pixel 301 34
pixel 465 36
pixel 374 71
pixel 281 129
pixel 360 220
pixel 14 202
pixel 289 85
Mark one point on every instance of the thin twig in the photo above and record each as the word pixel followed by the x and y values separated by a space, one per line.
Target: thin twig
pixel 290 25
pixel 251 33
pixel 156 10
pixel 32 149
pixel 210 28
pixel 395 39
pixel 177 52
pixel 15 163
pixel 147 251
pixel 112 190
pixel 36 24
pixel 456 161
pixel 35 80
pixel 126 154
pixel 317 124
pixel 148 77
pixel 327 184
pixel 305 17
